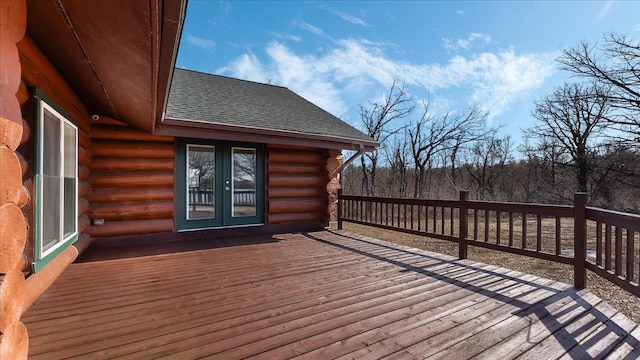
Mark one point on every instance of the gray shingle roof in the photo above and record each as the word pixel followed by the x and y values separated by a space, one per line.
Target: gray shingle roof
pixel 222 100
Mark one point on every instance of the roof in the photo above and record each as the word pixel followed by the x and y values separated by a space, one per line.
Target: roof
pixel 199 99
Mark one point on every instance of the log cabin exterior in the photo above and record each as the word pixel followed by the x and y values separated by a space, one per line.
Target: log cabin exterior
pixel 87 151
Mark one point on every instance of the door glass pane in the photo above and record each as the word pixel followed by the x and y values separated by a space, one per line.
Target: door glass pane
pixel 244 182
pixel 201 176
pixel 69 196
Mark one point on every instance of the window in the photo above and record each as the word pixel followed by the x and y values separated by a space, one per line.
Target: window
pixel 56 184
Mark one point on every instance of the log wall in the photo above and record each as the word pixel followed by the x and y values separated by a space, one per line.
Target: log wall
pixel 14 341
pixel 24 67
pixel 296 184
pixel 132 180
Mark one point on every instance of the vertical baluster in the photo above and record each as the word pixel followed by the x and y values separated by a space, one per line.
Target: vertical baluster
pixel 393 214
pixel 607 247
pixel 341 204
pixel 498 227
pixel 524 230
pixel 630 255
pixel 599 243
pixel 442 220
pixel 404 214
pixel 451 219
pixel 352 211
pixel 374 212
pixel 435 217
pixel 510 229
pixel 426 219
pixel 486 226
pixel 539 233
pixel 374 209
pixel 618 260
pixel 579 240
pixel 475 224
pixel 558 236
pixel 347 209
pixel 419 217
pixel 463 225
pixel 412 227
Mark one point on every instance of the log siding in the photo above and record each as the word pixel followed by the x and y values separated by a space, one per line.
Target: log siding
pixel 14 341
pixel 296 185
pixel 132 179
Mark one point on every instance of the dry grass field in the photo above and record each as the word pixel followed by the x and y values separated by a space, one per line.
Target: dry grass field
pixel 620 299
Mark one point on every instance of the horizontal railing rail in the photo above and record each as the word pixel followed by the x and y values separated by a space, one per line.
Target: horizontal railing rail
pixel 587 238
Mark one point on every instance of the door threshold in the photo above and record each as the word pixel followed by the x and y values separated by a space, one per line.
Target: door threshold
pixel 222 227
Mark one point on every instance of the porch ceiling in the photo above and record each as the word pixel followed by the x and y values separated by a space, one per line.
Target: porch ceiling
pixel 321 295
pixel 116 55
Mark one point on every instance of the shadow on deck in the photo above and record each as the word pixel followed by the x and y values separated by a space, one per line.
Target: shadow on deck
pixel 316 295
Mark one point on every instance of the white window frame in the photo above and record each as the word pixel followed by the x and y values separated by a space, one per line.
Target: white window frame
pixel 44 256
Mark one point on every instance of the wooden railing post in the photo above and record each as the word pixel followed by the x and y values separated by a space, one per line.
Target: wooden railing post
pixel 339 209
pixel 463 225
pixel 579 240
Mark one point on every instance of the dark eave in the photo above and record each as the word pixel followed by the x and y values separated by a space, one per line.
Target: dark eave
pixel 117 56
pixel 210 130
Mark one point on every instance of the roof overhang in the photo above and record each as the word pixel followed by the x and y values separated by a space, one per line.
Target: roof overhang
pixel 211 130
pixel 117 56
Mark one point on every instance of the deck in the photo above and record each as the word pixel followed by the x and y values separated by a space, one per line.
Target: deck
pixel 319 295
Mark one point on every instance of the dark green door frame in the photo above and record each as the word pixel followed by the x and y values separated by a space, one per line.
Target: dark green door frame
pixel 223 192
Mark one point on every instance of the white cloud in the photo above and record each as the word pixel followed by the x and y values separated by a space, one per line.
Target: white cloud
pixel 498 80
pixel 288 37
pixel 310 28
pixel 637 28
pixel 603 11
pixel 349 70
pixel 247 67
pixel 467 43
pixel 200 42
pixel 350 18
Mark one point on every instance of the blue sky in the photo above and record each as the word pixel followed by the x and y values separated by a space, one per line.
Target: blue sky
pixel 499 55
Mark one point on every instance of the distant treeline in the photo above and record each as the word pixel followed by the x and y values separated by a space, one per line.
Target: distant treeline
pixel 586 138
pixel 540 178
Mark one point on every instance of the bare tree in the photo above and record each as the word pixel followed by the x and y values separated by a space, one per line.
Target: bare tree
pixel 398 157
pixel 574 116
pixel 615 65
pixel 432 135
pixel 376 120
pixel 488 158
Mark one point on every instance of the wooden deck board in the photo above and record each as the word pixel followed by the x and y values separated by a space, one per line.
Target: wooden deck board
pixel 321 295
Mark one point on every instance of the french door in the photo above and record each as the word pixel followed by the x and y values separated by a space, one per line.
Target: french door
pixel 220 184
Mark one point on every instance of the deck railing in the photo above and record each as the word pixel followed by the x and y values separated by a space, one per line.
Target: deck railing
pixel 241 197
pixel 587 238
